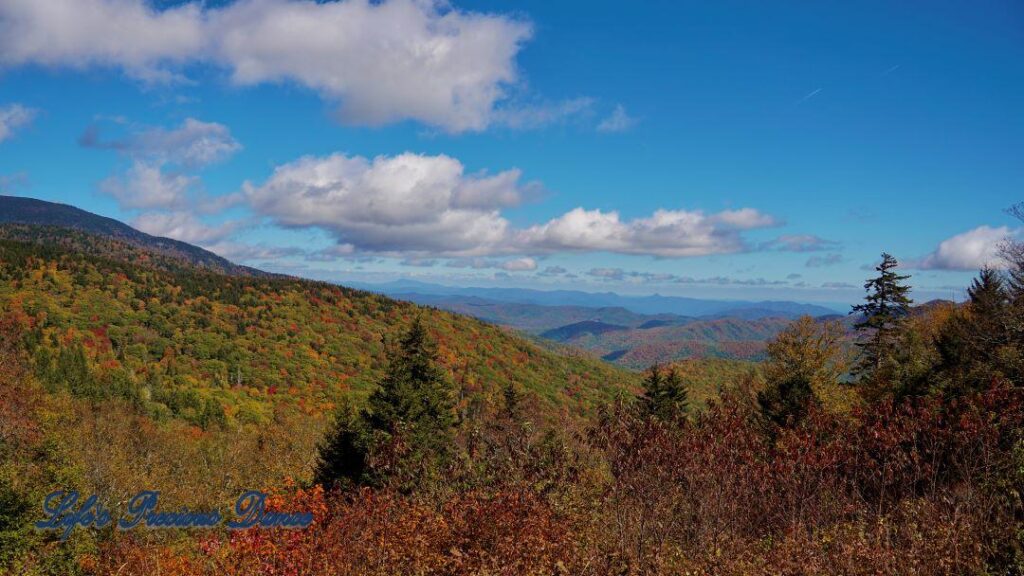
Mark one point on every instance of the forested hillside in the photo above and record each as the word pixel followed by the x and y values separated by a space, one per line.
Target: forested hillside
pixel 425 443
pixel 108 318
pixel 34 213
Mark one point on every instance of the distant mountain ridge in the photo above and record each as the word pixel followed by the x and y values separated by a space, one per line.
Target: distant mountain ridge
pixel 592 327
pixel 616 333
pixel 653 304
pixel 19 210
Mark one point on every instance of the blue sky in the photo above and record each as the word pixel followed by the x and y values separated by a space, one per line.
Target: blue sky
pixel 729 149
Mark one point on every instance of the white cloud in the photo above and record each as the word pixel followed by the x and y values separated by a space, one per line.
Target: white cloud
pixel 530 116
pixel 405 203
pixel 417 205
pixel 162 161
pixel 147 186
pixel 382 61
pixel 194 144
pixel 519 265
pixel 241 252
pixel 666 233
pixel 82 33
pixel 182 226
pixel 970 250
pixel 618 121
pixel 13 117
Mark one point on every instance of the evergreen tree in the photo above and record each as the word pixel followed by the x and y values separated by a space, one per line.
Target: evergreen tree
pixel 786 403
pixel 415 395
pixel 665 394
pixel 988 312
pixel 974 345
pixel 885 307
pixel 652 389
pixel 341 458
pixel 413 406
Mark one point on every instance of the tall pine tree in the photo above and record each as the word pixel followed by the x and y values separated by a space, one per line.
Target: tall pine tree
pixel 407 428
pixel 665 394
pixel 886 306
pixel 974 345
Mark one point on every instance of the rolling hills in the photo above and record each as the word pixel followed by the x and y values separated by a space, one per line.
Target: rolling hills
pixel 107 315
pixel 625 337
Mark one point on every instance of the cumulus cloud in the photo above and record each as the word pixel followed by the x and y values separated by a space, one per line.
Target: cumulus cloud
pixel 618 121
pixel 194 144
pixel 182 226
pixel 243 252
pixel 381 61
pixel 147 186
pixel 13 117
pixel 970 250
pixel 163 162
pixel 417 205
pixel 81 33
pixel 666 233
pixel 405 203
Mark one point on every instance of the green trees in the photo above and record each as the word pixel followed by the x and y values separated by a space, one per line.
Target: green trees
pixel 341 456
pixel 885 307
pixel 406 431
pixel 804 360
pixel 976 346
pixel 785 403
pixel 665 394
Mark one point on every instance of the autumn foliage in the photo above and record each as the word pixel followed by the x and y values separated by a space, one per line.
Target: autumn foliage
pixel 924 475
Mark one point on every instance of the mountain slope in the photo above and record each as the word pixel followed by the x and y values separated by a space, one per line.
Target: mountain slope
pixel 734 338
pixel 578 329
pixel 32 212
pixel 181 340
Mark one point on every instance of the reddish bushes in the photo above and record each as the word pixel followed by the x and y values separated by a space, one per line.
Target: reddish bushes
pixel 917 488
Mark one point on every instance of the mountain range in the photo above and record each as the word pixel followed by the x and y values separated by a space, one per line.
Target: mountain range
pixel 652 304
pixel 632 331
